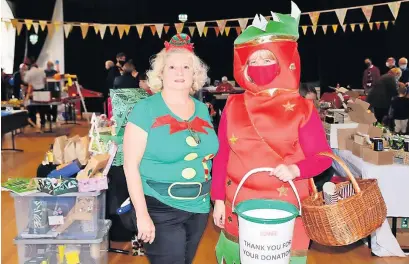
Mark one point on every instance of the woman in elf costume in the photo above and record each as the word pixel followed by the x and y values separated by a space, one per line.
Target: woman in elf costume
pixel 270 125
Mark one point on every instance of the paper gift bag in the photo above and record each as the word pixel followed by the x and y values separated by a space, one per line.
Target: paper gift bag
pixel 81 150
pixel 70 149
pixel 58 149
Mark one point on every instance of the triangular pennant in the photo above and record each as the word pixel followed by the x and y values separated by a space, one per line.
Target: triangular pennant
pixel 304 29
pixel 140 28
pixel 14 22
pixel 367 10
pixel 192 30
pixel 121 30
pixel 221 24
pixel 112 29
pixel 29 23
pixel 96 28
pixel 371 25
pixel 179 27
pixel 361 26
pixel 35 26
pixel 394 7
pixel 227 31
pixel 334 28
pixel 84 29
pixel 314 16
pixel 386 23
pixel 127 28
pixel 344 27
pixel 153 29
pixel 159 29
pixel 102 28
pixel 217 30
pixel 243 23
pixel 166 29
pixel 200 26
pixel 314 29
pixel 19 26
pixel 341 13
pixel 57 26
pixel 324 28
pixel 378 25
pixel 67 29
pixel 7 24
pixel 50 29
pixel 43 24
pixel 238 30
pixel 353 27
pixel 205 31
pixel 393 22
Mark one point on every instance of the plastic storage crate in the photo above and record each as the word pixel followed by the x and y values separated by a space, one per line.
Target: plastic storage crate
pixel 71 215
pixel 66 251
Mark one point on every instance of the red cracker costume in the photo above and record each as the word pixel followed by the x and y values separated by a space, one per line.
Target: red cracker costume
pixel 270 124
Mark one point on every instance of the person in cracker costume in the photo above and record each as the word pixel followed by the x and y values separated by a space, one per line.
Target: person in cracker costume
pixel 269 125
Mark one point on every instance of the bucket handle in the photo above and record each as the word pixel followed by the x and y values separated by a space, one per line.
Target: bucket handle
pixel 253 171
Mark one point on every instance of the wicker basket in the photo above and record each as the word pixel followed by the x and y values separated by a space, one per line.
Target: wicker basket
pixel 350 219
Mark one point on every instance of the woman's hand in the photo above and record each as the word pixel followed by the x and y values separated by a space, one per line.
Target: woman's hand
pixel 146 228
pixel 219 213
pixel 286 173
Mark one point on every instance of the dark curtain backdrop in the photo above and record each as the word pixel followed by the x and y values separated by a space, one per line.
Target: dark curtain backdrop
pixel 329 59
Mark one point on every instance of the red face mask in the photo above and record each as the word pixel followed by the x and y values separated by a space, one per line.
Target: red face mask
pixel 263 75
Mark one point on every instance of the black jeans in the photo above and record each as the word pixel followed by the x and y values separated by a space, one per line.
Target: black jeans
pixel 177 233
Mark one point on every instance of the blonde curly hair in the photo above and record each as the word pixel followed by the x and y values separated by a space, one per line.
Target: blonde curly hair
pixel 158 64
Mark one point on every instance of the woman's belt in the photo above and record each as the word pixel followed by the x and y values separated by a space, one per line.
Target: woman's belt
pixel 181 190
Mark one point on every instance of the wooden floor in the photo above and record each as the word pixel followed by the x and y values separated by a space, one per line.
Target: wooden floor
pixel 14 164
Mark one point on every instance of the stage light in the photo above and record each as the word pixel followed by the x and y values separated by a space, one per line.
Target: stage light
pixel 33 38
pixel 183 17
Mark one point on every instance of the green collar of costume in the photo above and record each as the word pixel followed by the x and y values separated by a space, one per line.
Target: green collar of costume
pixel 280 25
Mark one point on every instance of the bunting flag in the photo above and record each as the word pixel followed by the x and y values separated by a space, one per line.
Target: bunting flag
pixel 121 30
pixel 29 23
pixel 324 28
pixel 341 13
pixel 367 10
pixel 344 27
pixel 159 29
pixel 200 27
pixel 221 24
pixel 353 27
pixel 192 31
pixel 386 23
pixel 7 24
pixel 112 29
pixel 14 22
pixel 205 31
pixel 166 29
pixel 361 26
pixel 304 29
pixel 238 30
pixel 227 31
pixel 243 23
pixel 127 28
pixel 378 25
pixel 334 28
pixel 102 28
pixel 394 7
pixel 67 29
pixel 35 26
pixel 140 28
pixel 314 29
pixel 217 30
pixel 84 29
pixel 314 16
pixel 153 29
pixel 50 29
pixel 57 26
pixel 371 25
pixel 179 27
pixel 19 26
pixel 43 24
pixel 96 29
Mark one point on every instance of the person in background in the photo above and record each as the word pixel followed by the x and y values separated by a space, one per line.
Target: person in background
pixel 143 83
pixel 19 85
pixel 127 80
pixel 380 96
pixel 403 65
pixel 225 86
pixel 400 109
pixel 50 71
pixel 308 92
pixel 35 78
pixel 371 75
pixel 390 63
pixel 120 62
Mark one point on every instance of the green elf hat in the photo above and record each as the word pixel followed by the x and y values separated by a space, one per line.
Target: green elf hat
pixel 279 26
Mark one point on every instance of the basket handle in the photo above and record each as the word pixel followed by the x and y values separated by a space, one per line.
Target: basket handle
pixel 344 166
pixel 253 171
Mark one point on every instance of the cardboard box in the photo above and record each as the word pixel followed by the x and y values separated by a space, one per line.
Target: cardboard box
pixel 377 157
pixel 331 131
pixel 358 149
pixel 359 112
pixel 349 144
pixel 360 139
pixel 343 135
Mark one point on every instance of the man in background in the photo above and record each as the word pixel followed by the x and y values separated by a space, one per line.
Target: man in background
pixel 403 65
pixel 128 78
pixel 225 86
pixel 120 62
pixel 53 87
pixel 390 63
pixel 371 75
pixel 19 84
